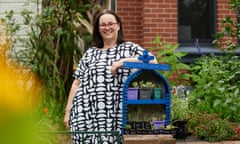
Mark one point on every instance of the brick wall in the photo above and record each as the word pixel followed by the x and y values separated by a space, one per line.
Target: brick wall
pixel 159 18
pixel 143 20
pixel 223 11
pixel 130 12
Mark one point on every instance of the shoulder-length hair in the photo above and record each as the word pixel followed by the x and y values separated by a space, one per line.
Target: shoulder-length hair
pixel 96 37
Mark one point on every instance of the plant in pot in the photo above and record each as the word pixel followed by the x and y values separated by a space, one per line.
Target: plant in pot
pixel 127 129
pixel 132 92
pixel 146 89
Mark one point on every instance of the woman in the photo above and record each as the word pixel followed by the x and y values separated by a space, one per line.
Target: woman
pixel 94 102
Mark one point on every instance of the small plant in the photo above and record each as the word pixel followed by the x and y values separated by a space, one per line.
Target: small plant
pixel 170 127
pixel 145 84
pixel 154 127
pixel 166 53
pixel 128 127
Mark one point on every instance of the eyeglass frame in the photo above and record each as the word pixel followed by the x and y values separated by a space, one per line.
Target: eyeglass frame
pixel 109 25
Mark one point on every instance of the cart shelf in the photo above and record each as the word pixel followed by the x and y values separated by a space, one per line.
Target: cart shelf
pixel 146 67
pixel 152 101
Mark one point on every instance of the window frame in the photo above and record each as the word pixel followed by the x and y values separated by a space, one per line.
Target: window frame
pixel 203 42
pixel 109 4
pixel 200 47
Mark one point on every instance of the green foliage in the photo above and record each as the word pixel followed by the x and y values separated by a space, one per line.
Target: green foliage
pixel 10 22
pixel 217 86
pixel 214 101
pixel 179 107
pixel 48 120
pixel 57 38
pixel 212 128
pixel 226 39
pixel 166 53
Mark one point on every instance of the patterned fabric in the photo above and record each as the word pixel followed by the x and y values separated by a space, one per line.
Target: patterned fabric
pixel 97 105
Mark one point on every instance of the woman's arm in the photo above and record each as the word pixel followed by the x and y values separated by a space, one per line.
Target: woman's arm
pixel 72 92
pixel 119 64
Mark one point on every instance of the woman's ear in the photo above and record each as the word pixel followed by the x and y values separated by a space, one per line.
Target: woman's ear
pixel 118 26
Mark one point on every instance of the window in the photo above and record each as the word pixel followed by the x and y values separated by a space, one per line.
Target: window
pixel 109 4
pixel 196 21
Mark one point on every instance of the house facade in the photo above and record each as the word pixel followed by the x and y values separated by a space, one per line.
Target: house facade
pixel 183 22
pixel 186 22
pixel 17 6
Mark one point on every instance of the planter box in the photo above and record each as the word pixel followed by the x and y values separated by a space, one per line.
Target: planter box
pixel 157 93
pixel 145 93
pixel 171 132
pixel 181 130
pixel 132 124
pixel 147 126
pixel 132 93
pixel 139 125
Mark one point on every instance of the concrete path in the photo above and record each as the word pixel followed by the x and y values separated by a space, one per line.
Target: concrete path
pixel 203 142
pixel 196 141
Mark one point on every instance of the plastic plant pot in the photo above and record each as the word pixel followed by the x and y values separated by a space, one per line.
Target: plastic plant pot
pixel 157 93
pixel 132 93
pixel 145 93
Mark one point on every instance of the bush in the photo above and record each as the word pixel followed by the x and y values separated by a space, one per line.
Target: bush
pixel 217 86
pixel 211 127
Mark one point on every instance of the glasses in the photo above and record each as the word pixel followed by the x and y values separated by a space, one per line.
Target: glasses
pixel 109 25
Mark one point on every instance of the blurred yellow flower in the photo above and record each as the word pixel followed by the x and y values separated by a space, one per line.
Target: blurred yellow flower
pixel 19 87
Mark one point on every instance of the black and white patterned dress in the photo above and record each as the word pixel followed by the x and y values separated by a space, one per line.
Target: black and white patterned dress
pixel 97 105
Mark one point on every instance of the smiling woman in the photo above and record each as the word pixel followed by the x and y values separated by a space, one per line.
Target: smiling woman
pixel 95 99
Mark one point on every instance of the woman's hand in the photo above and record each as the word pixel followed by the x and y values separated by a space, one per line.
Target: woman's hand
pixel 116 66
pixel 66 119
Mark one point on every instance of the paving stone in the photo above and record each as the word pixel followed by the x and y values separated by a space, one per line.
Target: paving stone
pixel 148 139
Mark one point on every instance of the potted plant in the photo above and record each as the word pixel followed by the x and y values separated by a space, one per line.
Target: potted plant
pixel 132 92
pixel 127 129
pixel 146 89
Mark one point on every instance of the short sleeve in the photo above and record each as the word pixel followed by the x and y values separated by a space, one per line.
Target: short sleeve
pixel 137 50
pixel 78 74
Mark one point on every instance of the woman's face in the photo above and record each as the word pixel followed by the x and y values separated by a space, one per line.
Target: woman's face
pixel 108 27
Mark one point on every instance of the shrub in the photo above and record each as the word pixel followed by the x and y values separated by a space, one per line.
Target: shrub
pixel 211 127
pixel 217 86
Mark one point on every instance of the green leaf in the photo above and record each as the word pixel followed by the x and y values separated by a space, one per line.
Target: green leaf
pixel 216 102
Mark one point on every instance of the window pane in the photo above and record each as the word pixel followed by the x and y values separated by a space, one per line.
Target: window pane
pixel 109 4
pixel 196 21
